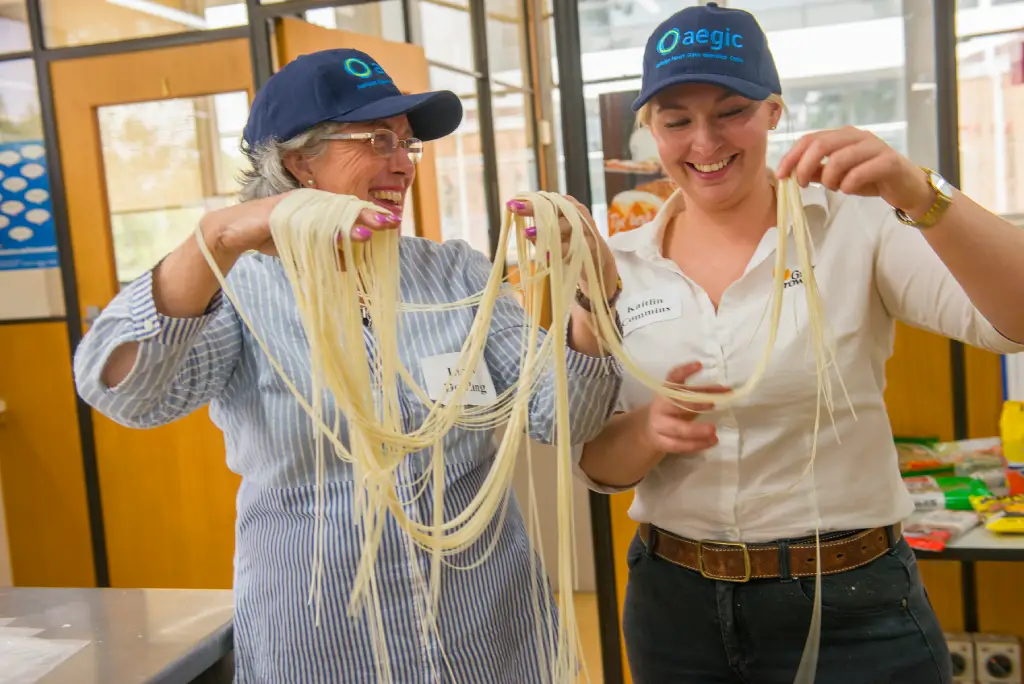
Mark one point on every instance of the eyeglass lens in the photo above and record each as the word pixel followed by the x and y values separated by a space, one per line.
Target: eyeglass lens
pixel 385 142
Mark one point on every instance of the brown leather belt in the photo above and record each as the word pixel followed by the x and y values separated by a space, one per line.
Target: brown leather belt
pixel 739 562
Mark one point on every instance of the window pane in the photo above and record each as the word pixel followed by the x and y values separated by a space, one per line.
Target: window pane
pixel 460 168
pixel 19 102
pixel 80 22
pixel 452 44
pixel 381 19
pixel 780 15
pixel 548 33
pixel 511 108
pixel 14 36
pixel 991 92
pixel 166 164
pixel 973 17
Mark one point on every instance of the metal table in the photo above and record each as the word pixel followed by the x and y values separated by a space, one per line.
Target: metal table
pixel 115 636
pixel 977 545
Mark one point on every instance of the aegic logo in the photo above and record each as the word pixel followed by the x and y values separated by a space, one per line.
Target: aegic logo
pixel 361 69
pixel 716 40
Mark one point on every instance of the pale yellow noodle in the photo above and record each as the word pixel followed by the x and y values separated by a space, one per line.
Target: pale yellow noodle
pixel 363 379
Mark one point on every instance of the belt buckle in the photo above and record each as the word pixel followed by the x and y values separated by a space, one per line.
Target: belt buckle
pixel 746 561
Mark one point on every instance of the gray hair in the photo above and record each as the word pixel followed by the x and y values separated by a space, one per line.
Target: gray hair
pixel 268 175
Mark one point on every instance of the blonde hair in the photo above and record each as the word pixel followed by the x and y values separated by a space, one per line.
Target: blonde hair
pixel 646 112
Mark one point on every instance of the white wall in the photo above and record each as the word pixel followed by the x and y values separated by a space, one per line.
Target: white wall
pixel 545 479
pixel 31 294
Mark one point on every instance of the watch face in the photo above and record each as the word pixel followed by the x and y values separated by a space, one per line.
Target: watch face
pixel 941 184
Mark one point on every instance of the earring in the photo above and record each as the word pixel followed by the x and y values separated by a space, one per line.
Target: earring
pixel 310 182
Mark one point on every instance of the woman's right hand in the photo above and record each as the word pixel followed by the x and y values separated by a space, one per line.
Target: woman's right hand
pixel 243 227
pixel 670 426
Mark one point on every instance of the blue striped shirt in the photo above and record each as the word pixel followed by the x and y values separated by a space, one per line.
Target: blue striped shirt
pixel 487 625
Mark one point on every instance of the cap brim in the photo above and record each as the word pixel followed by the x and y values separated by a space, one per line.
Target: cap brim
pixel 752 91
pixel 431 115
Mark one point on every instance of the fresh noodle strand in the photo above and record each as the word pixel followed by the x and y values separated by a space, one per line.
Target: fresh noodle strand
pixel 333 278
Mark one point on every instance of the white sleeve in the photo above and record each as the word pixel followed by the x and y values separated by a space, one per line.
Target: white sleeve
pixel 917 289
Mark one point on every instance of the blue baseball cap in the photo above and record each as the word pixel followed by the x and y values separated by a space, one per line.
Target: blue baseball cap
pixel 344 86
pixel 709 44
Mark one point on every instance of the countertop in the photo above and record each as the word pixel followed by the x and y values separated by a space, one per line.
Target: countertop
pixel 111 636
pixel 980 544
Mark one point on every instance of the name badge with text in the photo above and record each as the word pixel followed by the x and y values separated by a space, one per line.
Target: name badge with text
pixel 648 307
pixel 442 376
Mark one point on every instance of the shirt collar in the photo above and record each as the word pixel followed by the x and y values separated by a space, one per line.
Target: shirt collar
pixel 647 239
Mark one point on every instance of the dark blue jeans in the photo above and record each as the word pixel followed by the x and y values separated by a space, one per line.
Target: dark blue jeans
pixel 877 625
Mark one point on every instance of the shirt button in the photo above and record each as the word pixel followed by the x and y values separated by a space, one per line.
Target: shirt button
pixel 733 533
pixel 147 326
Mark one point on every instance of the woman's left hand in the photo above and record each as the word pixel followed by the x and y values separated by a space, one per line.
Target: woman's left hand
pixel 856 162
pixel 594 240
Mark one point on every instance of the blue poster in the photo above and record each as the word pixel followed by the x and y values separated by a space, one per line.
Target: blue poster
pixel 27 236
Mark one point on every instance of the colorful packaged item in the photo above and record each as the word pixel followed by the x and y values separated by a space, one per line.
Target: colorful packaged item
pixel 1001 513
pixel 919 458
pixel 933 530
pixel 953 493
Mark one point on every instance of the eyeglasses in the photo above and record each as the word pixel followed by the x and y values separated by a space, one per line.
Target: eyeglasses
pixel 385 142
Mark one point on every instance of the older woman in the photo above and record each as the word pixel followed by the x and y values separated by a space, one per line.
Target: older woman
pixel 169 344
pixel 721 575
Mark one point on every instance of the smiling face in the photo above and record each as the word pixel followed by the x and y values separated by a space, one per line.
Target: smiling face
pixel 353 167
pixel 712 142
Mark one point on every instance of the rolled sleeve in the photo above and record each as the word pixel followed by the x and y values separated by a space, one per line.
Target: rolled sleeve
pixel 147 323
pixel 181 363
pixel 577 454
pixel 591 367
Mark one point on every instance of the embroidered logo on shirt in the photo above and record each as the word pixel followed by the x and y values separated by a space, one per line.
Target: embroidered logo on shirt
pixel 791 277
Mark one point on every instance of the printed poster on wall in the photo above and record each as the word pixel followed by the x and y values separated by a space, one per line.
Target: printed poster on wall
pixel 634 182
pixel 28 239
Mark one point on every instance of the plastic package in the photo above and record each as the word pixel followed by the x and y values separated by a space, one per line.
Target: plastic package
pixel 1001 513
pixel 953 493
pixel 932 530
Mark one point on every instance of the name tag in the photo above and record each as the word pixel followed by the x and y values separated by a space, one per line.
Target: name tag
pixel 442 377
pixel 651 306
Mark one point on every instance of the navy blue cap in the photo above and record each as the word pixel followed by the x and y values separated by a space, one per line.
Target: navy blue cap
pixel 344 86
pixel 709 44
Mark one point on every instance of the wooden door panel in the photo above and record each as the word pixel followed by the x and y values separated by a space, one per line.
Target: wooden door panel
pixel 167 495
pixel 41 460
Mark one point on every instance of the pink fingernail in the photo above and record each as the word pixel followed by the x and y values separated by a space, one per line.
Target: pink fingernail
pixel 361 233
pixel 531 232
pixel 516 204
pixel 386 218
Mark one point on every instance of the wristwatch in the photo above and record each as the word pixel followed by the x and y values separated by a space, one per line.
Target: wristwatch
pixel 943 198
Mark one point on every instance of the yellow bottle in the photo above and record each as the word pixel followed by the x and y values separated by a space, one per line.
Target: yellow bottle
pixel 1011 431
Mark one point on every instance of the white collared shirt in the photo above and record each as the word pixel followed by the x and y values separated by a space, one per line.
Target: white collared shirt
pixel 871 270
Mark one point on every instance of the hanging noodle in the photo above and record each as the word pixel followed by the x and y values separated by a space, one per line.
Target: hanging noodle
pixel 330 287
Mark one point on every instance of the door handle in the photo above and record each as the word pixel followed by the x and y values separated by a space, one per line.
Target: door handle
pixel 3 412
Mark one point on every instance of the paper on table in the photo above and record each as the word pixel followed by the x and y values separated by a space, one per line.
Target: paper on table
pixel 26 660
pixel 14 632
